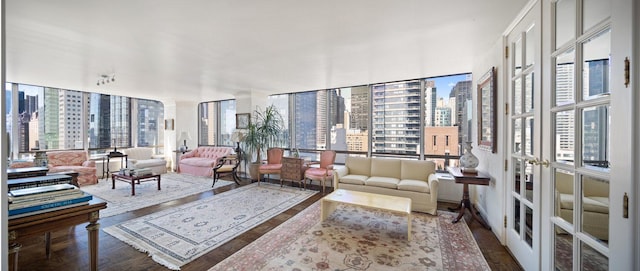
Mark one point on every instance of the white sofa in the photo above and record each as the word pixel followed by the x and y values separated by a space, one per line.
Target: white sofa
pixel 414 179
pixel 143 157
pixel 595 202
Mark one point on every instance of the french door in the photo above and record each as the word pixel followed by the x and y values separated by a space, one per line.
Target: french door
pixel 591 136
pixel 570 134
pixel 524 152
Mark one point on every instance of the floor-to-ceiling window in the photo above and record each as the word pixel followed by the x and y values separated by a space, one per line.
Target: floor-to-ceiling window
pixel 60 119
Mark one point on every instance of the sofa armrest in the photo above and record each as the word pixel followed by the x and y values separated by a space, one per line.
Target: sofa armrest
pixel 89 163
pixel 433 187
pixel 339 173
pixel 188 154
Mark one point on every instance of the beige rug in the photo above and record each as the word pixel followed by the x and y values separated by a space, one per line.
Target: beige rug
pixel 354 238
pixel 173 186
pixel 179 235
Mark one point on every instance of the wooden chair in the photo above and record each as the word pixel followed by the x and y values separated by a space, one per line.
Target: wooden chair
pixel 324 171
pixel 226 165
pixel 274 162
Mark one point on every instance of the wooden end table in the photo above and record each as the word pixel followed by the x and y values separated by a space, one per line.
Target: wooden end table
pixel 133 180
pixel 46 222
pixel 466 179
pixel 369 200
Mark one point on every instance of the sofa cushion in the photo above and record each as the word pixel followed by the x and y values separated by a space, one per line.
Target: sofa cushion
pixel 358 165
pixel 591 204
pixel 414 185
pixel 416 169
pixel 198 162
pixel 147 163
pixel 386 182
pixel 139 153
pixel 383 167
pixel 354 179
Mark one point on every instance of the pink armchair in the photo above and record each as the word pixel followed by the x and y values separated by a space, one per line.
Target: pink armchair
pixel 274 162
pixel 324 171
pixel 78 161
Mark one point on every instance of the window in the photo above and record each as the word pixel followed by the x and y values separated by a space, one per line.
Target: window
pixel 149 116
pixel 214 130
pixel 310 120
pixel 60 119
pixel 396 117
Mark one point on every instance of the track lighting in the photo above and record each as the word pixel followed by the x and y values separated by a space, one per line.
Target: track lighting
pixel 106 78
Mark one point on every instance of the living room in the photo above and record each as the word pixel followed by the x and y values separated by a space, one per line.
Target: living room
pixel 214 60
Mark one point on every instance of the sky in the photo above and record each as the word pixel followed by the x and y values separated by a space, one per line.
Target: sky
pixel 444 84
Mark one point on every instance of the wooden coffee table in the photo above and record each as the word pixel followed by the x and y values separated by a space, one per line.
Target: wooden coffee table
pixel 369 200
pixel 133 180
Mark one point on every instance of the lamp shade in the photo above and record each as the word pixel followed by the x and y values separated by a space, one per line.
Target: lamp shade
pixel 237 136
pixel 185 136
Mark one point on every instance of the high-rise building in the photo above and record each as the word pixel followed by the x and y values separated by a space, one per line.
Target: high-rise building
pixel 305 120
pixel 443 116
pixel 564 133
pixel 150 113
pixel 430 103
pixel 462 92
pixel 396 117
pixel 359 108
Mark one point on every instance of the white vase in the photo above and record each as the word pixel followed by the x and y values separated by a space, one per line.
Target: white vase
pixel 468 160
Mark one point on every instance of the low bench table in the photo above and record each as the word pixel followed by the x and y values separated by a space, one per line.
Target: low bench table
pixel 370 200
pixel 133 180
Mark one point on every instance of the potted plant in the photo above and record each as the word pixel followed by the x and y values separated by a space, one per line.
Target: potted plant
pixel 263 132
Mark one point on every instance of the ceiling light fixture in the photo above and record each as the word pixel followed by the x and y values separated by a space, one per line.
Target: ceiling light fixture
pixel 106 78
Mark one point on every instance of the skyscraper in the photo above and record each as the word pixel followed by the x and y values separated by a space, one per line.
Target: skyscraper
pixel 396 117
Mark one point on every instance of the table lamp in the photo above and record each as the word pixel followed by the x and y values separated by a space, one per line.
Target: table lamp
pixel 236 137
pixel 184 136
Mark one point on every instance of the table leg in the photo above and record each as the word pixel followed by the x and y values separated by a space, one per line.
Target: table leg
pixel 113 181
pixel 14 250
pixel 463 203
pixel 92 231
pixel 47 244
pixel 158 182
pixel 409 227
pixel 327 207
pixel 475 216
pixel 133 186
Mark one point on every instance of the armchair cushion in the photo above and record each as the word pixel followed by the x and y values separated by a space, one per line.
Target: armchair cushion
pixel 78 161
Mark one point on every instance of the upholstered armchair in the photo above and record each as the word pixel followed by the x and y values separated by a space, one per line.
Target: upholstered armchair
pixel 324 171
pixel 143 157
pixel 78 161
pixel 274 162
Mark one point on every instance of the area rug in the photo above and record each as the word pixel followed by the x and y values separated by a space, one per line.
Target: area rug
pixel 179 235
pixel 173 186
pixel 353 238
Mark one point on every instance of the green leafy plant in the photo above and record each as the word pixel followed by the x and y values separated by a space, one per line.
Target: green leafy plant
pixel 265 131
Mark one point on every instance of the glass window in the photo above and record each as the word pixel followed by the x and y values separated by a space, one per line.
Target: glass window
pixel 396 117
pixel 208 120
pixel 310 120
pixel 150 114
pixel 227 121
pixel 281 103
pixel 349 117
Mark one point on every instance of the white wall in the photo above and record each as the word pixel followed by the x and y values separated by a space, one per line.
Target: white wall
pixel 489 199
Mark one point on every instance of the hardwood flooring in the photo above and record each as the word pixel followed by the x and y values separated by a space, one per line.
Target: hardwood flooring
pixel 69 247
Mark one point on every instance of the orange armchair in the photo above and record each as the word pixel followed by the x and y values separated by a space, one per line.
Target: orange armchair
pixel 324 171
pixel 274 162
pixel 78 161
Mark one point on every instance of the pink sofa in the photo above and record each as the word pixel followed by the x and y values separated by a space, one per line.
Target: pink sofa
pixel 201 160
pixel 78 161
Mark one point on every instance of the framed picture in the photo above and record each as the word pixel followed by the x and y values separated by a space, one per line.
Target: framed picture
pixel 487 119
pixel 243 120
pixel 169 124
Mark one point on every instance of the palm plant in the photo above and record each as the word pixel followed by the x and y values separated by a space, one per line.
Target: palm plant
pixel 264 132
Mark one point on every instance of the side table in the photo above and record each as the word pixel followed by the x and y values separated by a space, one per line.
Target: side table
pixel 123 158
pixel 466 179
pixel 293 170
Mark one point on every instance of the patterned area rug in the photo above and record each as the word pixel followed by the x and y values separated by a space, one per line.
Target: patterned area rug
pixel 353 238
pixel 176 236
pixel 173 186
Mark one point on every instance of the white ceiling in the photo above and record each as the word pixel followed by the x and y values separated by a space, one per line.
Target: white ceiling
pixel 203 50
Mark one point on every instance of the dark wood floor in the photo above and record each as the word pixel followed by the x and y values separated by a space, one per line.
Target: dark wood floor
pixel 69 247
